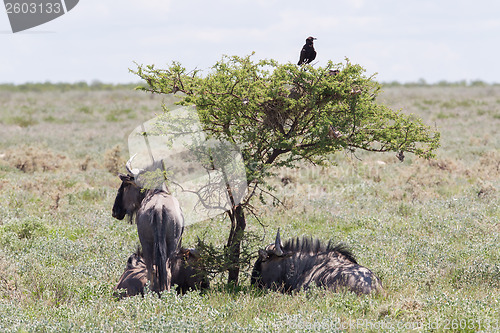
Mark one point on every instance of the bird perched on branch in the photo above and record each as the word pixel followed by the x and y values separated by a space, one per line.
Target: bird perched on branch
pixel 307 54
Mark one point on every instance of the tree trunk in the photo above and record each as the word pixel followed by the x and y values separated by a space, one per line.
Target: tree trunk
pixel 238 225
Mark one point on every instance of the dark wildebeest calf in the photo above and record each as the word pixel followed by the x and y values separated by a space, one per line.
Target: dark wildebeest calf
pixel 300 264
pixel 185 274
pixel 134 278
pixel 160 225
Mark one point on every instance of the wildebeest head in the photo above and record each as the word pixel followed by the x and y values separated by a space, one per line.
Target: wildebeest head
pixel 130 195
pixel 269 267
pixel 300 264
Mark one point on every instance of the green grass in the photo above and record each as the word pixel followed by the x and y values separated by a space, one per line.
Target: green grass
pixel 428 229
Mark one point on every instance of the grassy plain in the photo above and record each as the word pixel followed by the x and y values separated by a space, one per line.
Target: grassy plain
pixel 428 229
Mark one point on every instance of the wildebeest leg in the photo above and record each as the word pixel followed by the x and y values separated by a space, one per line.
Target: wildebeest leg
pixel 145 237
pixel 160 250
pixel 148 250
pixel 168 279
pixel 173 233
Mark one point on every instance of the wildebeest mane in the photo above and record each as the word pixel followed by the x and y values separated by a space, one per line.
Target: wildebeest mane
pixel 315 246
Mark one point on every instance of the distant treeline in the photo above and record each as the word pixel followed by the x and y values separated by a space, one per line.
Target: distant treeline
pixel 423 83
pixel 97 85
pixel 49 86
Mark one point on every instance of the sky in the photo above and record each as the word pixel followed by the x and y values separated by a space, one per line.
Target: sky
pixel 404 41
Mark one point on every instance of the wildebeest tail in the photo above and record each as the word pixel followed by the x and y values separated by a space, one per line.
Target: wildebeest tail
pixel 160 250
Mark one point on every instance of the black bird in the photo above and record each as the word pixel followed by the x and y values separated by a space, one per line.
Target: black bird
pixel 307 54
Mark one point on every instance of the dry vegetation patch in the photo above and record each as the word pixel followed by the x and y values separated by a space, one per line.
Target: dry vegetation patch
pixel 33 158
pixel 113 160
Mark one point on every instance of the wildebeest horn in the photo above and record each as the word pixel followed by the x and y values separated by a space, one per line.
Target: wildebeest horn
pixel 277 244
pixel 132 172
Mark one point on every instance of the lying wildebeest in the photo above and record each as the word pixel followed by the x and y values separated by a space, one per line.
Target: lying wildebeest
pixel 134 278
pixel 300 264
pixel 160 224
pixel 185 274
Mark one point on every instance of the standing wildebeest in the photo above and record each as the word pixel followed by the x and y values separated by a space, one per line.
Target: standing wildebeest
pixel 300 264
pixel 160 225
pixel 185 274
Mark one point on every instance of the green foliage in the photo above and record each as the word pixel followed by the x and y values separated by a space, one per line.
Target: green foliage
pixel 27 229
pixel 215 259
pixel 22 121
pixel 281 113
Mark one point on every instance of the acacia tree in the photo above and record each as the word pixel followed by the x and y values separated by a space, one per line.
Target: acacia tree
pixel 279 114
